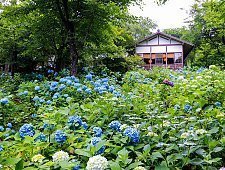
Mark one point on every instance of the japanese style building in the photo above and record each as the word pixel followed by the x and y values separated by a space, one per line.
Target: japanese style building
pixel 164 50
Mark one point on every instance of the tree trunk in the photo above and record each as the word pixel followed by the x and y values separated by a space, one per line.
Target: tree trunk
pixel 73 55
pixel 70 29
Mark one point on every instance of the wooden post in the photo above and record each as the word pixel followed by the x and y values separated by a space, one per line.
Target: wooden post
pixel 166 56
pixel 150 57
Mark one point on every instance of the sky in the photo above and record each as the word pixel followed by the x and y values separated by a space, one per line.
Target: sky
pixel 165 16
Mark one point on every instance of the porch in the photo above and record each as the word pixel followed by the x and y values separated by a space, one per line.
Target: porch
pixel 170 66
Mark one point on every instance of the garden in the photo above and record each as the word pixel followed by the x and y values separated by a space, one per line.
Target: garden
pixel 159 119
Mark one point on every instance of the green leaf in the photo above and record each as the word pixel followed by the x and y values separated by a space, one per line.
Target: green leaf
pixel 114 165
pixel 157 155
pixel 83 153
pixel 133 165
pixel 201 152
pixel 214 130
pixel 196 161
pixel 12 161
pixel 217 149
pixel 19 165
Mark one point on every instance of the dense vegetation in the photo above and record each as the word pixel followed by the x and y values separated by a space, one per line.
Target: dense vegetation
pixel 161 119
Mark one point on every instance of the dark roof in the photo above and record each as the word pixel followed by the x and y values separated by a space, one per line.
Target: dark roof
pixel 187 45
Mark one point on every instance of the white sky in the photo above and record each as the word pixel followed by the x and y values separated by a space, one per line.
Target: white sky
pixel 169 15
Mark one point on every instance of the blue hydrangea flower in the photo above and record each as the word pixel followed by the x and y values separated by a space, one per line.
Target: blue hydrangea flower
pixel 26 130
pixel 79 90
pixel 77 167
pixel 25 92
pixel 60 136
pixel 9 125
pixel 111 88
pixel 55 96
pixel 97 131
pixel 42 137
pixel 61 87
pixel 54 83
pixel 1 148
pixel 65 95
pixel 37 88
pixel 56 74
pixel 34 115
pixel 74 121
pixel 50 71
pixel 187 108
pixel 2 128
pixel 88 91
pixel 105 80
pixel 217 104
pixel 89 77
pixel 48 126
pixel 69 82
pixel 94 142
pixel 115 125
pixel 177 107
pixel 41 100
pixel 133 134
pixel 36 98
pixel 49 102
pixel 4 101
pixel 77 85
pixel 84 125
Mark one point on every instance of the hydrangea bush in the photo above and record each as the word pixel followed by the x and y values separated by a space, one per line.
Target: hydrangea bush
pixel 161 119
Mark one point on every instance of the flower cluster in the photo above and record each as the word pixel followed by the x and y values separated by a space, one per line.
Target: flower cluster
pixel 115 125
pixel 97 131
pixel 97 163
pixel 217 104
pixel 187 108
pixel 42 137
pixel 60 156
pixel 74 121
pixel 4 101
pixel 26 130
pixel 94 142
pixel 167 82
pixel 60 136
pixel 37 158
pixel 133 134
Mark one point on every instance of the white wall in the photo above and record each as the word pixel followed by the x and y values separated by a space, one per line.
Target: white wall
pixel 163 41
pixel 175 48
pixel 153 41
pixel 158 49
pixel 143 49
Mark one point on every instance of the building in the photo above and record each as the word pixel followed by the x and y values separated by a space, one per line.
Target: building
pixel 164 50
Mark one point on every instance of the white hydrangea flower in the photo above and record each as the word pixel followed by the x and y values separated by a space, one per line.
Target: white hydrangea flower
pixel 184 135
pixel 1 166
pixel 60 156
pixel 200 131
pixel 37 158
pixel 151 134
pixel 97 163
pixel 222 168
pixel 139 168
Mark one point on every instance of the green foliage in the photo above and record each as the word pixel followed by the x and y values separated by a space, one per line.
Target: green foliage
pixel 179 127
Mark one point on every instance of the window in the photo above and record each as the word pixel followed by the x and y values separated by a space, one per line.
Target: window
pixel 178 57
pixel 170 58
pixel 159 59
pixel 146 60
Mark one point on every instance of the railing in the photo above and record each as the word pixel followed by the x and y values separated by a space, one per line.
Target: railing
pixel 170 66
